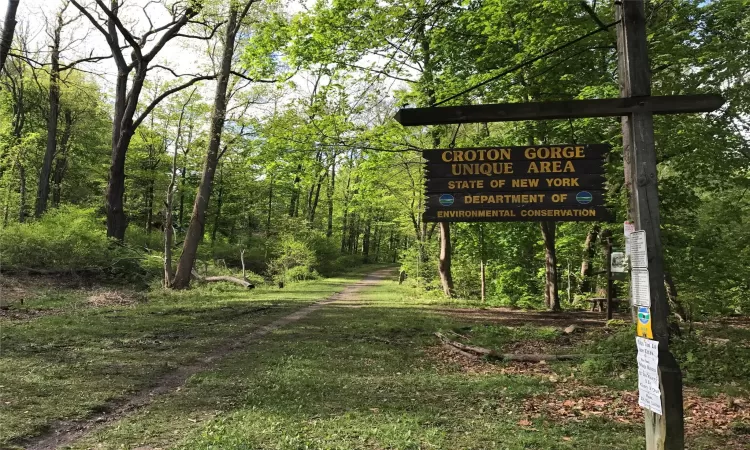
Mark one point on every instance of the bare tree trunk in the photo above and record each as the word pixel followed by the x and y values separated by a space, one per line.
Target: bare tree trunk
pixel 219 201
pixel 22 192
pixel 293 203
pixel 589 249
pixel 331 192
pixel 42 193
pixel 444 263
pixel 314 205
pixel 366 241
pixel 270 206
pixel 482 263
pixel 168 215
pixel 183 176
pixel 61 162
pixel 218 116
pixel 551 295
pixel 9 27
pixel 168 228
pixel 149 204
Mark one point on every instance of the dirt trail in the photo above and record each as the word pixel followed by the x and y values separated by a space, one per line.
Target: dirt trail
pixel 64 433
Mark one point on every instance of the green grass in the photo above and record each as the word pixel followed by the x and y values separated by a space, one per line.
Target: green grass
pixel 348 378
pixel 70 363
pixel 359 374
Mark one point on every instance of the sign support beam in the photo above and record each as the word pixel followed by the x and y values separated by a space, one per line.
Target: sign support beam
pixel 570 109
pixel 665 431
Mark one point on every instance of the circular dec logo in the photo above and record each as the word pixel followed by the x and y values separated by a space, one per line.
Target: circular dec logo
pixel 644 316
pixel 584 197
pixel 446 200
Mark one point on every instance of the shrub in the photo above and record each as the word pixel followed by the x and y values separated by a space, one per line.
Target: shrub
pixel 254 278
pixel 293 253
pixel 65 239
pixel 72 239
pixel 301 273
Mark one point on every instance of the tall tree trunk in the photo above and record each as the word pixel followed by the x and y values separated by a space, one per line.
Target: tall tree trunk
pixel 149 204
pixel 346 212
pixel 551 295
pixel 316 198
pixel 42 193
pixel 589 249
pixel 331 191
pixel 366 241
pixel 122 133
pixel 9 27
pixel 218 116
pixel 444 264
pixel 61 161
pixel 294 201
pixel 168 228
pixel 428 78
pixel 482 264
pixel 22 192
pixel 270 206
pixel 219 202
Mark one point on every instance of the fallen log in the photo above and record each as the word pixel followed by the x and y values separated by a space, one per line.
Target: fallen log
pixel 227 279
pixel 473 351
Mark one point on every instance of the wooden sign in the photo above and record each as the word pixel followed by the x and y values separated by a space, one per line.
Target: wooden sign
pixel 524 183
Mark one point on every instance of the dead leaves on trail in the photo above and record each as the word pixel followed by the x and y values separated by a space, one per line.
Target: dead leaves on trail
pixel 573 401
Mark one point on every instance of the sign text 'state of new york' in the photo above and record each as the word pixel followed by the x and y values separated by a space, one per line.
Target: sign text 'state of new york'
pixel 530 183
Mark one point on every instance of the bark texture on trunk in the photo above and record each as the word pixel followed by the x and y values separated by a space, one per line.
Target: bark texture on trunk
pixel 22 192
pixel 551 295
pixel 589 250
pixel 331 191
pixel 61 160
pixel 444 262
pixel 42 193
pixel 218 117
pixel 9 27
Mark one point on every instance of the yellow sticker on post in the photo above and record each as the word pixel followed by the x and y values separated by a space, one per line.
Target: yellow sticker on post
pixel 643 325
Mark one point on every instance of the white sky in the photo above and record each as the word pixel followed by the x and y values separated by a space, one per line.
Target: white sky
pixel 184 56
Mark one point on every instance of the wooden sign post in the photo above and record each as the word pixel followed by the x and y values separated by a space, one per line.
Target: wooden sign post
pixel 663 431
pixel 661 390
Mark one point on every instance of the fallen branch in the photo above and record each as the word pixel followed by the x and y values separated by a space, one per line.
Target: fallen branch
pixel 227 279
pixel 472 351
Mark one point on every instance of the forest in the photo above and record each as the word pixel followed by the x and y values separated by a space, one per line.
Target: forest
pixel 185 149
pixel 285 147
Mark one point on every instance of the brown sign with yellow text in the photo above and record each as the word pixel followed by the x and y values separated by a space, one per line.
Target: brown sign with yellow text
pixel 528 183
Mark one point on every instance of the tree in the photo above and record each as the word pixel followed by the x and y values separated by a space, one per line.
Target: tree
pixel 237 13
pixel 130 79
pixel 9 27
pixel 56 69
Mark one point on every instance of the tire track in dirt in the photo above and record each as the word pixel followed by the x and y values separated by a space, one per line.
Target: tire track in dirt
pixel 63 433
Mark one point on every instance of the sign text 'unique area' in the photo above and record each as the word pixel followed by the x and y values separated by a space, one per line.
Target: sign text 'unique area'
pixel 530 183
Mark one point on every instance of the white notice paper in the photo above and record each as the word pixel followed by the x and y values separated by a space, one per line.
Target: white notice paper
pixel 618 262
pixel 638 253
pixel 640 287
pixel 649 393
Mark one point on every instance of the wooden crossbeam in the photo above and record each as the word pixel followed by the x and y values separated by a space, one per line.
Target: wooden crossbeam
pixel 569 109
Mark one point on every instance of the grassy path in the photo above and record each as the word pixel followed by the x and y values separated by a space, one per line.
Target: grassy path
pixel 364 371
pixel 65 363
pixel 358 373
